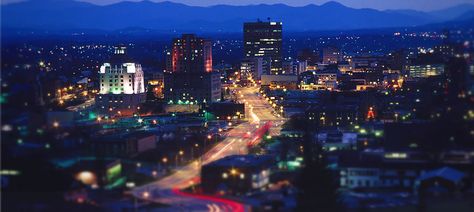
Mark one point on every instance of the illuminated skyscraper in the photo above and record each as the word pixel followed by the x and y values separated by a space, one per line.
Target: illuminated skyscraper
pixel 121 84
pixel 189 78
pixel 264 39
pixel 191 54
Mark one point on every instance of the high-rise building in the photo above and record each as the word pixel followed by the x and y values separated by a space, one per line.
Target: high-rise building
pixel 264 39
pixel 191 54
pixel 121 85
pixel 189 78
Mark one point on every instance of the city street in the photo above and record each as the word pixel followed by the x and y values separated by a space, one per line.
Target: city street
pixel 167 190
pixel 88 103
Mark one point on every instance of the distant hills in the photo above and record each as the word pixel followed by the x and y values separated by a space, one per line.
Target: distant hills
pixel 174 17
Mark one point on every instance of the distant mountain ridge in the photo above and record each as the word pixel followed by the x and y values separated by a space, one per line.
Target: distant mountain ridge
pixel 175 17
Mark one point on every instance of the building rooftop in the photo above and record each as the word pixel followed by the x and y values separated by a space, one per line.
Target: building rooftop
pixel 445 173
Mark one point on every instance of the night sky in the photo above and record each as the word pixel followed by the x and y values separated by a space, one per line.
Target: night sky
pixel 423 5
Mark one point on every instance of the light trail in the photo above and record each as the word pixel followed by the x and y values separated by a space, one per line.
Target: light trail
pixel 254 116
pixel 222 149
pixel 235 206
pixel 167 190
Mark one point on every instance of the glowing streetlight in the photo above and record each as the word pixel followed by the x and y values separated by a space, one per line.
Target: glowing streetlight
pixel 86 177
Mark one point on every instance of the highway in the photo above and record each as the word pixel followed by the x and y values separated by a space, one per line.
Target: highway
pixel 167 190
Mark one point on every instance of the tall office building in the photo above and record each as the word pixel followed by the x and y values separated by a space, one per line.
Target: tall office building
pixel 264 39
pixel 121 85
pixel 189 78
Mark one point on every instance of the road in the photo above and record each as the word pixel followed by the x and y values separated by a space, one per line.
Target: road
pixel 88 103
pixel 167 190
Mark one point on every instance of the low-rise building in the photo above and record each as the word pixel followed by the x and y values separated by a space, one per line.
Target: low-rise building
pixel 123 144
pixel 337 140
pixel 226 110
pixel 334 115
pixel 391 170
pixel 425 70
pixel 280 81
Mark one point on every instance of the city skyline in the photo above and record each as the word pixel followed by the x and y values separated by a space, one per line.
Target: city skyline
pixel 167 107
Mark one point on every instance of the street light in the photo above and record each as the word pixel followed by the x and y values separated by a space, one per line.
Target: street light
pixel 165 160
pixel 180 153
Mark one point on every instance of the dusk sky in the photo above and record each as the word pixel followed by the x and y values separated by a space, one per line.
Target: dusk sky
pixel 423 5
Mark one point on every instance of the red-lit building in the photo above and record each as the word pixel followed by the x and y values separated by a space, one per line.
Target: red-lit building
pixel 189 78
pixel 191 54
